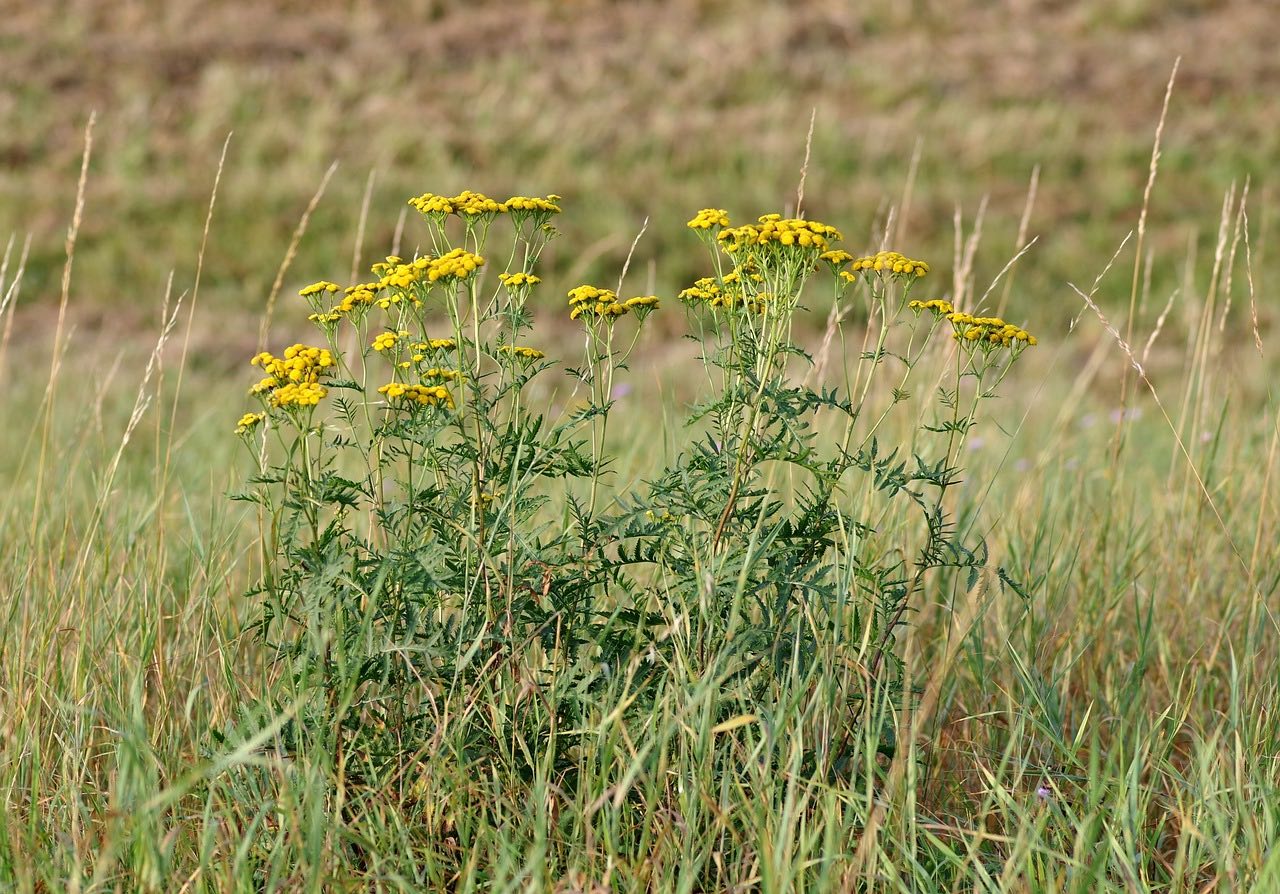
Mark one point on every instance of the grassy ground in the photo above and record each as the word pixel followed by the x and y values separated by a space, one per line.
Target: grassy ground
pixel 1115 731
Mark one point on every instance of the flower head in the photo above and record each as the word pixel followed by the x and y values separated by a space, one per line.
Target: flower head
pixel 708 218
pixel 295 394
pixel 516 280
pixel 775 230
pixel 294 379
pixel 248 422
pixel 939 306
pixel 399 274
pixel 593 301
pixel 521 352
pixel 387 340
pixel 989 333
pixel 836 257
pixel 300 364
pixel 734 289
pixel 317 287
pixel 358 297
pixel 423 395
pixel 706 290
pixel 455 265
pixel 429 203
pixel 465 204
pixel 889 263
pixel 469 204
pixel 641 305
pixel 533 204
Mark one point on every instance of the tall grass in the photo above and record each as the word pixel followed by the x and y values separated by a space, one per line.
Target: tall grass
pixel 1115 730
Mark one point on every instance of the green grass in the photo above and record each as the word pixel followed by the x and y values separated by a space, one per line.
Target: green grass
pixel 1116 730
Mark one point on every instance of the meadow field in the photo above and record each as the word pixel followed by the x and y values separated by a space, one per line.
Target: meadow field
pixel 734 571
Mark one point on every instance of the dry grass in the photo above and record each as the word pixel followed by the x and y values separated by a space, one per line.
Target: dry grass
pixel 630 110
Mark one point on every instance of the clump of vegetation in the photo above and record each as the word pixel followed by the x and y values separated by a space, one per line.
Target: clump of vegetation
pixel 431 532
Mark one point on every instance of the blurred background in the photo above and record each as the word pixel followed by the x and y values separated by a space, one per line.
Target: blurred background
pixel 932 112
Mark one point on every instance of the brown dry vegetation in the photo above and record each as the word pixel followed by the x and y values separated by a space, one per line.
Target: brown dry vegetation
pixel 631 110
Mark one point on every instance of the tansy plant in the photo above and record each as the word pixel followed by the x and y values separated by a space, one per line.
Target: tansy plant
pixel 424 539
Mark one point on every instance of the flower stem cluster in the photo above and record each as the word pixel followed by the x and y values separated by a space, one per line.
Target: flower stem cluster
pixel 432 529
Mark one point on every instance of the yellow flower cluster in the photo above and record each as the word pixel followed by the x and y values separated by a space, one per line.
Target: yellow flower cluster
pixel 594 301
pixel 430 203
pixel 548 205
pixel 248 422
pixel 293 379
pixel 360 295
pixel 472 204
pixel 387 340
pixel 421 348
pixel 457 264
pixel 381 268
pixel 836 257
pixel 988 331
pixel 395 276
pixel 365 294
pixel 515 280
pixel 437 372
pixel 522 352
pixel 748 270
pixel 888 262
pixel 939 306
pixel 641 302
pixel 728 291
pixel 426 395
pixel 294 394
pixel 774 228
pixel 464 203
pixel 708 218
pixel 317 287
pixel 399 274
pixel 707 289
pixel 300 363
